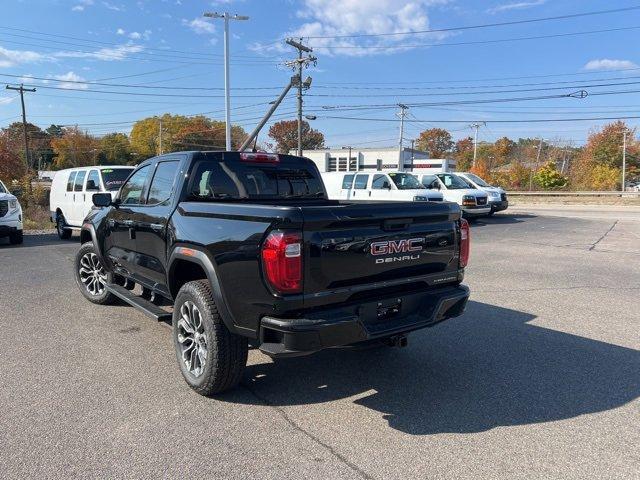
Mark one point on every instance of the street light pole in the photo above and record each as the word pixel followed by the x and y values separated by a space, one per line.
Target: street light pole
pixel 227 95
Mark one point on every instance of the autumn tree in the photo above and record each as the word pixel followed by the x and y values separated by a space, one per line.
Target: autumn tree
pixel 201 133
pixel 598 167
pixel 75 148
pixel 502 149
pixel 436 141
pixel 40 152
pixel 115 150
pixel 12 165
pixel 285 134
pixel 180 132
pixel 463 153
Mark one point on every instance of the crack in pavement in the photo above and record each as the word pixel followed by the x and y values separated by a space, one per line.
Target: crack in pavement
pixel 315 439
pixel 603 236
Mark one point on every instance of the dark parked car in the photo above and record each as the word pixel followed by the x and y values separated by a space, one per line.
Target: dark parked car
pixel 247 248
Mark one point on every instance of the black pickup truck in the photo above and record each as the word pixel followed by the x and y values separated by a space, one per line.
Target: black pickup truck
pixel 245 248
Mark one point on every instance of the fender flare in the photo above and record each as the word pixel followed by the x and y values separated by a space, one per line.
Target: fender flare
pixel 88 227
pixel 199 257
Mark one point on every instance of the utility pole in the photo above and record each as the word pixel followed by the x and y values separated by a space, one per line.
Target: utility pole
pixel 254 135
pixel 160 126
pixel 624 158
pixel 402 113
pixel 475 141
pixel 537 163
pixel 349 158
pixel 21 89
pixel 298 64
pixel 412 153
pixel 227 95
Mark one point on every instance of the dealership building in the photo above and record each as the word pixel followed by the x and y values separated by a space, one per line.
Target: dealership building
pixel 374 159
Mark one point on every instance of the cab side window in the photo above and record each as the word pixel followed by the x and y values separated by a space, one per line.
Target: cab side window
pixel 79 183
pixel 347 180
pixel 70 182
pixel 361 182
pixel 131 192
pixel 93 181
pixel 162 183
pixel 380 182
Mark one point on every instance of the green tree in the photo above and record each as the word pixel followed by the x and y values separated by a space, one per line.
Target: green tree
pixel 285 134
pixel 115 149
pixel 548 177
pixel 436 141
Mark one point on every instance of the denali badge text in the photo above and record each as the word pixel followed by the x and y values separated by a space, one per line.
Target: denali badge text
pixel 410 246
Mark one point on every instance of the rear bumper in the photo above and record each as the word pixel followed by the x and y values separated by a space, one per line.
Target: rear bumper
pixel 357 323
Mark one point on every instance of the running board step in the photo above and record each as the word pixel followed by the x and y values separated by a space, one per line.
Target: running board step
pixel 145 306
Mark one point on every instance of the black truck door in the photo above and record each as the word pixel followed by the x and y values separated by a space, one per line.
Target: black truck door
pixel 151 223
pixel 120 242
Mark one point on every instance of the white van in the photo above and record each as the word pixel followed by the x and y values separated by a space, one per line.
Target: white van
pixel 395 186
pixel 71 196
pixel 473 202
pixel 497 196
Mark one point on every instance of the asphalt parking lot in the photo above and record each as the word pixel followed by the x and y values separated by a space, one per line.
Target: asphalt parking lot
pixel 539 378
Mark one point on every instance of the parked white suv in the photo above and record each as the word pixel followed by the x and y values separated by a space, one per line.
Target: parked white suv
pixel 10 216
pixel 71 197
pixel 497 196
pixel 473 202
pixel 395 186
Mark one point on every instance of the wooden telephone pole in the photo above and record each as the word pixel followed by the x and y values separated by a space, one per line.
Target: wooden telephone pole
pixel 21 89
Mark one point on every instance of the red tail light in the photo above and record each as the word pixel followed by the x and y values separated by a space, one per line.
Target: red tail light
pixel 465 241
pixel 259 157
pixel 282 261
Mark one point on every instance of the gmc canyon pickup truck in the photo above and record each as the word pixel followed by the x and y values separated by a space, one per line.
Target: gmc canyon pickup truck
pixel 245 248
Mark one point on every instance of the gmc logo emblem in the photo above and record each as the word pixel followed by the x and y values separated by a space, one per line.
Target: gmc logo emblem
pixel 396 246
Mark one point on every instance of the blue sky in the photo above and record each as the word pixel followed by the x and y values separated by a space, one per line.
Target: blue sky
pixel 151 43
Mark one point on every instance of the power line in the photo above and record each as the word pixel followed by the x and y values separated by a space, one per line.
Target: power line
pixel 413 82
pixel 526 84
pixel 110 44
pixel 485 25
pixel 486 92
pixel 123 54
pixel 474 42
pixel 124 85
pixel 520 120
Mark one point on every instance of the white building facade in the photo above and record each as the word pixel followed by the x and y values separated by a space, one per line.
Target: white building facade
pixel 374 159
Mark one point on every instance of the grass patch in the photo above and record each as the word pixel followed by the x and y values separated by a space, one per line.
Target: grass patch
pixel 36 217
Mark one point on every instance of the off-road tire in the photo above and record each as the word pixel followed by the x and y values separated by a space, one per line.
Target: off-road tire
pixel 226 352
pixel 63 232
pixel 104 297
pixel 16 238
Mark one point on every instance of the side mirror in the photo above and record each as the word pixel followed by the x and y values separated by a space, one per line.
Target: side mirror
pixel 386 185
pixel 102 199
pixel 91 186
pixel 434 186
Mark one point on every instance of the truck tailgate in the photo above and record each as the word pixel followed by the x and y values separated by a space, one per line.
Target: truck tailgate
pixel 350 245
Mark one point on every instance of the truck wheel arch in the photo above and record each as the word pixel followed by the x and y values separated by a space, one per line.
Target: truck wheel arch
pixel 182 256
